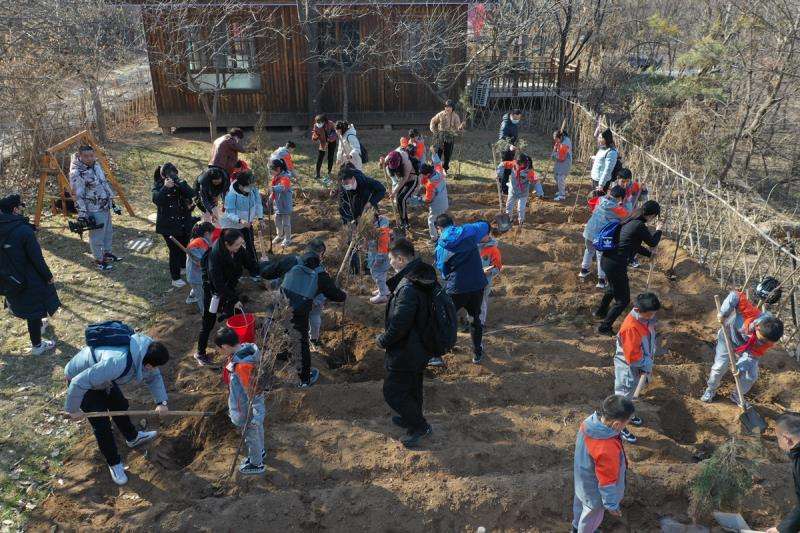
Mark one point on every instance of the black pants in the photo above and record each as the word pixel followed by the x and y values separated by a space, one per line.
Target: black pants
pixel 504 180
pixel 177 259
pixel 250 244
pixel 403 194
pixel 224 310
pixel 471 301
pixel 617 289
pixel 445 152
pixel 331 157
pixel 35 331
pixel 403 393
pixel 112 400
pixel 300 323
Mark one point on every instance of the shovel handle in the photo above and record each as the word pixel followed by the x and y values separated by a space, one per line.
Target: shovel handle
pixel 145 413
pixel 640 386
pixel 729 347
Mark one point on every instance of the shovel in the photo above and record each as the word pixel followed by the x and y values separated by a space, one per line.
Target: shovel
pixel 502 222
pixel 750 419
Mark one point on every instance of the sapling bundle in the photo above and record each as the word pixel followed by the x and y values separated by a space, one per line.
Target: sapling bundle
pixel 261 148
pixel 504 145
pixel 363 230
pixel 723 481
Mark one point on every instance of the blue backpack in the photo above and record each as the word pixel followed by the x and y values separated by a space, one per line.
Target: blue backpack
pixel 606 239
pixel 110 333
pixel 300 284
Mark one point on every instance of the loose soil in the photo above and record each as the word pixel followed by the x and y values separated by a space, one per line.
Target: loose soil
pixel 503 432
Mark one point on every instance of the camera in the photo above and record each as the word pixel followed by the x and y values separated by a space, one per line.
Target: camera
pixel 83 224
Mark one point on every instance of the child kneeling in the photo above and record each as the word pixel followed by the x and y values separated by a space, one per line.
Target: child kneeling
pixel 636 349
pixel 242 361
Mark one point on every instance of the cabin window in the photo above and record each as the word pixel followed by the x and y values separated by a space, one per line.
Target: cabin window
pixel 223 57
pixel 339 43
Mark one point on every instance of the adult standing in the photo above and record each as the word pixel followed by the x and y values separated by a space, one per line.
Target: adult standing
pixel 174 199
pixel 787 432
pixel 349 150
pixel 444 126
pixel 632 233
pixel 243 209
pixel 604 161
pixel 226 149
pixel 222 267
pixel 459 260
pixel 407 313
pixel 94 376
pixel 31 294
pixel 562 155
pixel 323 132
pixel 94 200
pixel 509 127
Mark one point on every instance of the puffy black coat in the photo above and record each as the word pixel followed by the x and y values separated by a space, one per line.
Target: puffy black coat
pixel 174 207
pixel 206 192
pixel 632 233
pixel 352 203
pixel 407 313
pixel 791 523
pixel 221 271
pixel 20 247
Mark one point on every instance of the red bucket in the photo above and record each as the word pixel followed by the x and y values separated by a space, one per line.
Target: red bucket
pixel 244 324
pixel 215 235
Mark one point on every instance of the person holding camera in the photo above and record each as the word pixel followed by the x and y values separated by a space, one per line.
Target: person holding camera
pixel 25 280
pixel 94 201
pixel 175 201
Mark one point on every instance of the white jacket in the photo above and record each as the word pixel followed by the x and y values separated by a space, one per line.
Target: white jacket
pixel 349 145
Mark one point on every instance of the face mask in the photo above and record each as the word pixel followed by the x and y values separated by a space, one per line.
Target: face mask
pixel 349 186
pixel 319 124
pixel 245 190
pixel 515 121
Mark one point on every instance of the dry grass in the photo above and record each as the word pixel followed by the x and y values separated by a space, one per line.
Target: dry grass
pixel 34 438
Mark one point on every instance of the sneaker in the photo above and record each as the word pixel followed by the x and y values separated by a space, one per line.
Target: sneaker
pixel 634 263
pixel 315 345
pixel 249 469
pixel 178 283
pixel 605 330
pixel 380 299
pixel 103 265
pixel 559 198
pixel 478 357
pixel 108 256
pixel 286 242
pixel 44 346
pixel 399 422
pixel 601 283
pixel 312 381
pixel 192 298
pixel 627 436
pixel 708 396
pixel 584 273
pixel 141 438
pixel 118 474
pixel 203 359
pixel 636 421
pixel 276 240
pixel 413 440
pixel 45 324
pixel 435 361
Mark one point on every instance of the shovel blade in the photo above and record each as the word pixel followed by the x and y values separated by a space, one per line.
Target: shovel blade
pixel 502 223
pixel 752 421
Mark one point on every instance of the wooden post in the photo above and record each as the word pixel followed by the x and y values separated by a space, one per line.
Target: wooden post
pixel 40 194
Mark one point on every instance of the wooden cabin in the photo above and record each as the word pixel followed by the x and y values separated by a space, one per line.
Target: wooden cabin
pixel 290 88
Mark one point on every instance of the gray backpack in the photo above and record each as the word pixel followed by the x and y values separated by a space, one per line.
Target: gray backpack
pixel 300 284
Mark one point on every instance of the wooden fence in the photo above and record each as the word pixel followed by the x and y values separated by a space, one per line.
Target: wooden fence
pixel 734 238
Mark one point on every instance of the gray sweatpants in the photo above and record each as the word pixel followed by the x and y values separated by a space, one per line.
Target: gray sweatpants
pixel 283 226
pixel 561 183
pixel 745 364
pixel 100 240
pixel 585 519
pixel 254 432
pixel 315 317
pixel 378 268
pixel 485 302
pixel 626 378
pixel 432 214
pixel 588 254
pixel 518 202
pixel 197 290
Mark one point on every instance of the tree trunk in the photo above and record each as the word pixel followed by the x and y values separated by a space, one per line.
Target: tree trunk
pixel 345 96
pixel 99 116
pixel 210 110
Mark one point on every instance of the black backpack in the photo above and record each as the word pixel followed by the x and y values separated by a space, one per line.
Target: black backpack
pixel 11 283
pixel 440 332
pixel 363 150
pixel 109 333
pixel 617 166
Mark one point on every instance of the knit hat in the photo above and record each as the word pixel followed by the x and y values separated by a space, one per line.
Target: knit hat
pixel 11 201
pixel 393 160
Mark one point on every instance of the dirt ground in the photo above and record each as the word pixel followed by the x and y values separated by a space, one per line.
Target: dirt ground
pixel 503 432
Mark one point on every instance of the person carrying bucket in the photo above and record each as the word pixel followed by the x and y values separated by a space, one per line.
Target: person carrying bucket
pixel 303 279
pixel 245 388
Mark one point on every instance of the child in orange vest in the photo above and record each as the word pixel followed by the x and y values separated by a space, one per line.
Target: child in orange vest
pixel 492 265
pixel 197 247
pixel 245 396
pixel 752 333
pixel 636 349
pixel 378 260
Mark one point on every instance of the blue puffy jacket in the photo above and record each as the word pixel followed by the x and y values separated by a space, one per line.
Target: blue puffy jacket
pixel 458 257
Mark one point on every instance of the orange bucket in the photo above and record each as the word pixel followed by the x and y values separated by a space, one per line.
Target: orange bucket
pixel 244 324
